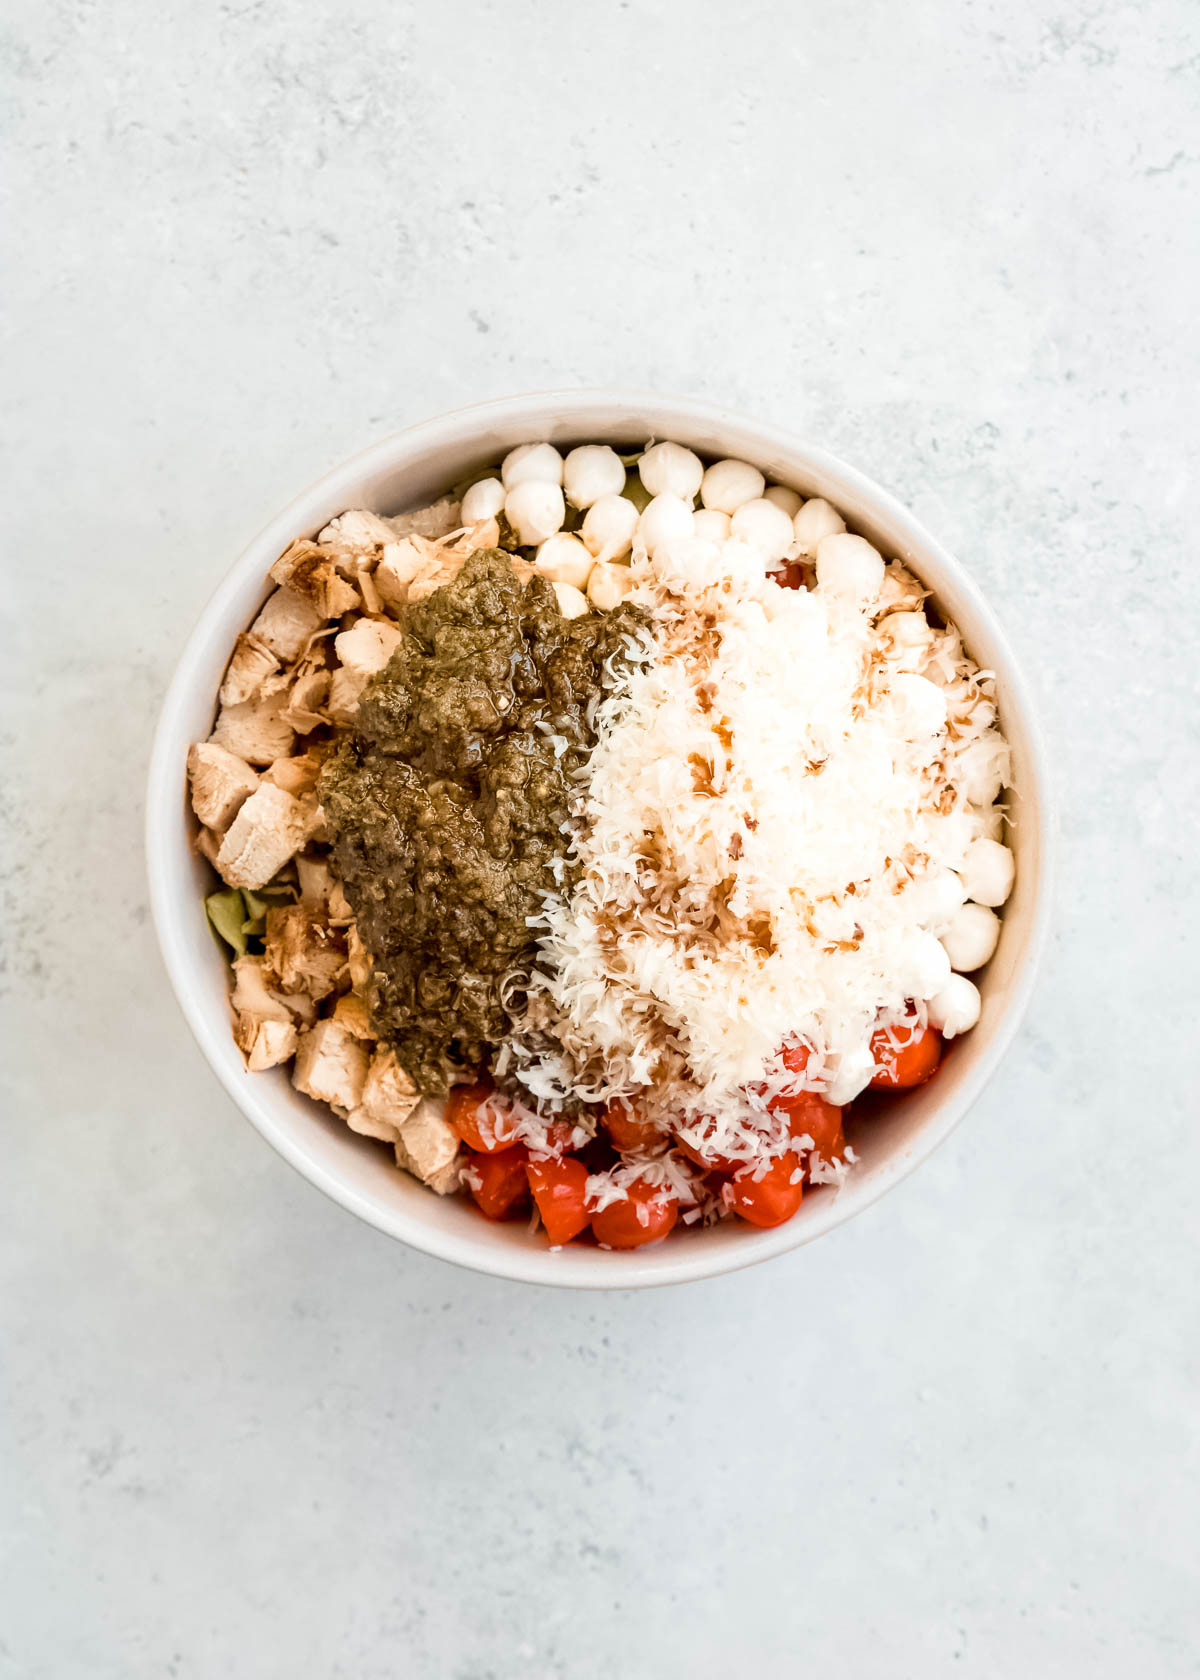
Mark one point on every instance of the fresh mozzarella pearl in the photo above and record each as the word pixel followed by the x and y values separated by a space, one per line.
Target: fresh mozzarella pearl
pixel 608 585
pixel 572 602
pixel 668 469
pixel 535 510
pixel 928 965
pixel 815 520
pixel 789 500
pixel 979 769
pixel 608 527
pixel 851 1076
pixel 765 527
pixel 848 565
pixel 907 638
pixel 665 519
pixel 727 484
pixel 482 501
pixel 532 462
pixel 922 705
pixel 956 1007
pixel 591 471
pixel 564 559
pixel 970 937
pixel 988 870
pixel 937 897
pixel 711 524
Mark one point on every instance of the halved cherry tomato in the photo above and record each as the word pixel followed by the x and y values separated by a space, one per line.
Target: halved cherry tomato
pixel 912 1064
pixel 811 1114
pixel 498 1182
pixel 703 1155
pixel 773 1198
pixel 647 1215
pixel 627 1131
pixel 560 1191
pixel 476 1130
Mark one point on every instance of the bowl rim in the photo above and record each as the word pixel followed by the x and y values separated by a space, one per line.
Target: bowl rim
pixel 528 1264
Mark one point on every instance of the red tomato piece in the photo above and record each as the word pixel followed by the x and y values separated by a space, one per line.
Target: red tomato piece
pixel 703 1155
pixel 498 1182
pixel 773 1198
pixel 558 1139
pixel 915 1061
pixel 627 1131
pixel 476 1130
pixel 560 1191
pixel 811 1114
pixel 648 1214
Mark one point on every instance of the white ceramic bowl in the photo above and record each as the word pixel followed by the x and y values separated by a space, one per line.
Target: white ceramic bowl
pixel 413 468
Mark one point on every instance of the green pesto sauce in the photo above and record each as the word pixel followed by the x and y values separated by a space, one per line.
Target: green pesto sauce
pixel 448 803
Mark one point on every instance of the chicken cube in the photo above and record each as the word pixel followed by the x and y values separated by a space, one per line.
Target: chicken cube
pixel 221 783
pixel 268 830
pixel 345 691
pixel 297 775
pixel 413 568
pixel 303 711
pixel 430 1144
pixel 434 521
pixel 389 1097
pixel 255 729
pixel 358 529
pixel 302 952
pixel 312 572
pixel 367 646
pixel 286 624
pixel 247 670
pixel 331 1067
pixel 265 1044
pixel 351 1012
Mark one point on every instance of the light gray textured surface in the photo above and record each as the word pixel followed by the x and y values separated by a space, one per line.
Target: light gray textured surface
pixel 245 1436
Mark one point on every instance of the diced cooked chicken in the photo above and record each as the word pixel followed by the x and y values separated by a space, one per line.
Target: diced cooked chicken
pixel 208 844
pixel 297 775
pixel 264 1031
pixel 428 1147
pixel 221 783
pixel 339 905
pixel 389 1097
pixel 361 966
pixel 250 665
pixel 345 691
pixel 331 1067
pixel 367 646
pixel 316 882
pixel 350 1011
pixel 255 729
pixel 268 830
pixel 485 533
pixel 435 521
pixel 413 568
pixel 307 697
pixel 286 624
pixel 358 529
pixel 313 573
pixel 304 954
pixel 364 577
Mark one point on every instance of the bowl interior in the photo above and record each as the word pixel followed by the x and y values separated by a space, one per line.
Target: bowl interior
pixel 413 468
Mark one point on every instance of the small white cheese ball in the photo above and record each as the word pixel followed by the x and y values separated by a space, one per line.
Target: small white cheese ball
pixel 727 484
pixel 665 518
pixel 956 1007
pixel 591 471
pixel 608 585
pixel 482 501
pixel 608 526
pixel 937 898
pixel 979 769
pixel 564 559
pixel 535 510
pixel 572 602
pixel 711 524
pixel 988 870
pixel 921 704
pixel 816 519
pixel 849 566
pixel 851 1076
pixel 765 527
pixel 532 463
pixel 790 501
pixel 907 639
pixel 668 469
pixel 970 936
pixel 928 965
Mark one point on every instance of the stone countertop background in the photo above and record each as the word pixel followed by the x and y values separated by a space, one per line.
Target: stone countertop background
pixel 243 1434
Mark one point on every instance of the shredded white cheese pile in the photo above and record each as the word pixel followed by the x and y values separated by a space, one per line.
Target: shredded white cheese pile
pixel 774 795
